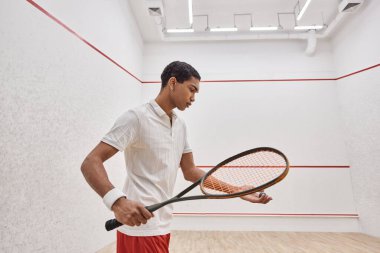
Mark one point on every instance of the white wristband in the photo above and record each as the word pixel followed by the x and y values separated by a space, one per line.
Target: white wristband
pixel 112 196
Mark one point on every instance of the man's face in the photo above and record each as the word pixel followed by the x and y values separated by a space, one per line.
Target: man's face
pixel 184 93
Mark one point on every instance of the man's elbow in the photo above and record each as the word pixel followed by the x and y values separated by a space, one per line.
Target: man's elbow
pixel 188 177
pixel 192 177
pixel 85 165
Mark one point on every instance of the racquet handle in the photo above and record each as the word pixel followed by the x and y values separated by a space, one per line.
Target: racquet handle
pixel 113 223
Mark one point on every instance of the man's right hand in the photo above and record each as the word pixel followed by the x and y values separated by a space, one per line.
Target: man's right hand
pixel 130 212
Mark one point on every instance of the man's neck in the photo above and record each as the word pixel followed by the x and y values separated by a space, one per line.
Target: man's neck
pixel 163 103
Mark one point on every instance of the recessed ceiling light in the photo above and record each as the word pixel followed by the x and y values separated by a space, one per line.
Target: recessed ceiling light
pixel 223 29
pixel 308 27
pixel 180 30
pixel 263 28
pixel 303 9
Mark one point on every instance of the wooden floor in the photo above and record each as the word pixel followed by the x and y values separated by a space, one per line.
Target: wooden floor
pixel 267 242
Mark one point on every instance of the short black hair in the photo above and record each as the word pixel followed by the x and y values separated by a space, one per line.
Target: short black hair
pixel 182 71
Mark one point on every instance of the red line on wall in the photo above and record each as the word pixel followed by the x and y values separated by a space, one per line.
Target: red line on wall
pixel 151 82
pixel 270 80
pixel 257 80
pixel 321 166
pixel 359 71
pixel 298 166
pixel 353 215
pixel 281 80
pixel 203 81
pixel 81 38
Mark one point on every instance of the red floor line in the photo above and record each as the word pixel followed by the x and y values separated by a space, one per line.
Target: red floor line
pixel 205 81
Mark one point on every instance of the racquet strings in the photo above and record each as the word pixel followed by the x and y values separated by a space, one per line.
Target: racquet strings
pixel 245 173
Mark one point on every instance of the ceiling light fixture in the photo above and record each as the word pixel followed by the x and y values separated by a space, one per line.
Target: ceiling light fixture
pixel 308 27
pixel 191 12
pixel 179 30
pixel 300 14
pixel 224 29
pixel 263 28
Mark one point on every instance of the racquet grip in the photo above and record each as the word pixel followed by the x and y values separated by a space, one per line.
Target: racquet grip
pixel 112 224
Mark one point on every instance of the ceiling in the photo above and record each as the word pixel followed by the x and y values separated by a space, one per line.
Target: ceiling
pixel 241 14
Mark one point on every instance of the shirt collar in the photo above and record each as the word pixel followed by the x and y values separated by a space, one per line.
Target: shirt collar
pixel 160 112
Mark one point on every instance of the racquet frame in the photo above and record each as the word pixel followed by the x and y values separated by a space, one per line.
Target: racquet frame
pixel 113 223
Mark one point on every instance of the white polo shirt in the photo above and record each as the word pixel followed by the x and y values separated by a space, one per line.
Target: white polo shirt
pixel 153 149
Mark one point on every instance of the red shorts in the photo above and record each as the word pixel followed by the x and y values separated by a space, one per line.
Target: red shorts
pixel 142 244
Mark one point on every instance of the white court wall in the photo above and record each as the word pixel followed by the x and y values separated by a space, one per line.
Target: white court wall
pixel 299 117
pixel 58 98
pixel 356 46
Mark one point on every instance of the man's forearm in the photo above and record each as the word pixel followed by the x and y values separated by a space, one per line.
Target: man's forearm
pixel 96 176
pixel 195 175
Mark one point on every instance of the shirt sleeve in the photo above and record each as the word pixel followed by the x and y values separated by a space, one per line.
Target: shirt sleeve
pixel 187 148
pixel 124 131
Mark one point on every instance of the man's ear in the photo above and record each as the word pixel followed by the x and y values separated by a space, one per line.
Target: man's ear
pixel 172 83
